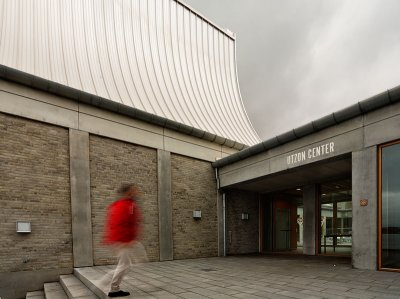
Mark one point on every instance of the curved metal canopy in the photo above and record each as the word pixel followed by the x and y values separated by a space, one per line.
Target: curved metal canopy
pixel 158 56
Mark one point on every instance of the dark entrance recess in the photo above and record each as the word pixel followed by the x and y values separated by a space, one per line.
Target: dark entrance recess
pixel 280 223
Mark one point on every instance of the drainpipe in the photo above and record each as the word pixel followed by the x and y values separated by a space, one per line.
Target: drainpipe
pixel 217 178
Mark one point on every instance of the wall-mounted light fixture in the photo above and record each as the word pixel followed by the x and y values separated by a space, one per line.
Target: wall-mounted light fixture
pixel 197 214
pixel 245 216
pixel 23 227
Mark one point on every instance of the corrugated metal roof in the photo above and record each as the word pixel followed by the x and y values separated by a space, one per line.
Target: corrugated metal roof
pixel 158 56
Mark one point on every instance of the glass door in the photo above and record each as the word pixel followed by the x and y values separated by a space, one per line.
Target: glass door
pixel 336 218
pixel 282 222
pixel 389 207
pixel 282 230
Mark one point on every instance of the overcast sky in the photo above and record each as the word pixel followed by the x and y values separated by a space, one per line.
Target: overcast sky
pixel 299 60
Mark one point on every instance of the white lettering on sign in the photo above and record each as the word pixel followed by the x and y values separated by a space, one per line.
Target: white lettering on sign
pixel 311 153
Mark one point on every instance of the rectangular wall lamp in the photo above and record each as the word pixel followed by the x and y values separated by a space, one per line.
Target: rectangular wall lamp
pixel 197 214
pixel 23 227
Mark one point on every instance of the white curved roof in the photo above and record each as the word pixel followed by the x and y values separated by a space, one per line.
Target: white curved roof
pixel 158 56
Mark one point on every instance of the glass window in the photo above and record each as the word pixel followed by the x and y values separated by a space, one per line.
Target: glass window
pixel 336 218
pixel 390 206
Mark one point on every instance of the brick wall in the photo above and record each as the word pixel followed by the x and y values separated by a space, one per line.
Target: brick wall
pixel 34 187
pixel 193 188
pixel 242 235
pixel 114 162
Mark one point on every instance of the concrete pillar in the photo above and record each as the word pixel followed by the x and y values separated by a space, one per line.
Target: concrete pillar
pixel 221 226
pixel 364 230
pixel 309 219
pixel 80 198
pixel 165 205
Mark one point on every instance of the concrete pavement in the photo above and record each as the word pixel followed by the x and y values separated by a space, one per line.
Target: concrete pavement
pixel 250 277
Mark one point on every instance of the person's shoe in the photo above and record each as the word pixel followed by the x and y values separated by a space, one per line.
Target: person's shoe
pixel 118 294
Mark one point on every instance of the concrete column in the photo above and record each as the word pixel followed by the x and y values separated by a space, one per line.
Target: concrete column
pixel 364 230
pixel 165 205
pixel 221 227
pixel 80 198
pixel 309 219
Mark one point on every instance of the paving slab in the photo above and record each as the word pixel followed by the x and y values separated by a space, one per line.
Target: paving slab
pixel 263 276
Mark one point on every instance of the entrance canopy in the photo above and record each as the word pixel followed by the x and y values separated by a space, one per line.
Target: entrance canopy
pixel 319 172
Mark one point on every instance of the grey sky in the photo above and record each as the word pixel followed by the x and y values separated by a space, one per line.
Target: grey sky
pixel 300 60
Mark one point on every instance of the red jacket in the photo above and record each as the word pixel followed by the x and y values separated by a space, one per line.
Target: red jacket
pixel 123 222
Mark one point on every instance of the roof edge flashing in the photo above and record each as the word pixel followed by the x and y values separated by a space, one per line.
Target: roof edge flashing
pixel 394 94
pixel 227 32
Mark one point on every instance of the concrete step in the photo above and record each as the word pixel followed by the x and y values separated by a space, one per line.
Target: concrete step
pixel 74 288
pixel 35 295
pixel 92 279
pixel 54 290
pixel 98 280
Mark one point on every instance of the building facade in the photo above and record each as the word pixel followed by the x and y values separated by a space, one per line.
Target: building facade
pixel 330 187
pixel 95 94
pixel 59 179
pixel 141 91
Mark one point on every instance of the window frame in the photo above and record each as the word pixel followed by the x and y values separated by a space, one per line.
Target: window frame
pixel 379 253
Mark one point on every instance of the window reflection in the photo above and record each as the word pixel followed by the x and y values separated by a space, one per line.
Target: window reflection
pixel 336 218
pixel 390 206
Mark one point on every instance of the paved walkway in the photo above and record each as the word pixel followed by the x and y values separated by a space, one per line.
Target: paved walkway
pixel 255 277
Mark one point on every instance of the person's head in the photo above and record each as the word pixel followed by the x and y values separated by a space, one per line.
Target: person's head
pixel 128 190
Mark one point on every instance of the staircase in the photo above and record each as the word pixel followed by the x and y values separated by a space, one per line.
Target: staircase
pixel 69 287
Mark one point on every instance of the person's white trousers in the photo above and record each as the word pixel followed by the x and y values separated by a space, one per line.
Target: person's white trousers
pixel 124 264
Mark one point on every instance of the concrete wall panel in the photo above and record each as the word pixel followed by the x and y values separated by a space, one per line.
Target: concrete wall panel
pixel 37 110
pixel 35 94
pixel 298 145
pixel 193 140
pixel 383 131
pixel 190 149
pixel 245 173
pixel 310 212
pixel 226 151
pixel 345 143
pixel 119 131
pixel 364 186
pixel 382 114
pixel 80 198
pixel 165 205
pixel 119 119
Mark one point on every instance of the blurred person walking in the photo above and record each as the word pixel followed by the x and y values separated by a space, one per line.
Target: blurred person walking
pixel 122 230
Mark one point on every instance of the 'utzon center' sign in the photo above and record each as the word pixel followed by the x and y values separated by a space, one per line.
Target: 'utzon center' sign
pixel 311 153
